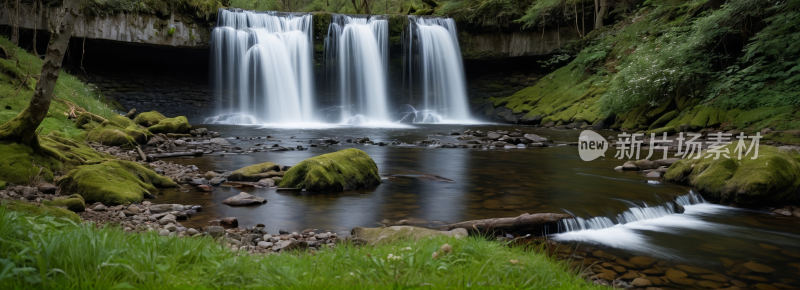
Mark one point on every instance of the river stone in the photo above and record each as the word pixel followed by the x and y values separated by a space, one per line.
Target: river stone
pixel 509 146
pixel 163 233
pixel 630 275
pixel 717 278
pixel 693 270
pixel 641 282
pixel 216 181
pixel 387 235
pixel 215 230
pixel 99 207
pixel 535 138
pixel 756 267
pixel 655 280
pixel 642 261
pixel 629 166
pixel 673 274
pixel 229 222
pixel 204 187
pixel 219 142
pixel 493 135
pixel 192 232
pixel 160 208
pixel 654 174
pixel 263 244
pixel 244 198
pixel 348 169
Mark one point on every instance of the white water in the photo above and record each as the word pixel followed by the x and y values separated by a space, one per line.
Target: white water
pixel 262 63
pixel 434 60
pixel 360 47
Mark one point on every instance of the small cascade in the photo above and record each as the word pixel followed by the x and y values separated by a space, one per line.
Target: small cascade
pixel 262 63
pixel 633 214
pixel 435 69
pixel 232 119
pixel 359 48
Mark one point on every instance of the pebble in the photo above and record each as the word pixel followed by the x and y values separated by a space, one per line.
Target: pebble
pixel 164 233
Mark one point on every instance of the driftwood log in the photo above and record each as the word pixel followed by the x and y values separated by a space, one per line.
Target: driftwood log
pixel 526 223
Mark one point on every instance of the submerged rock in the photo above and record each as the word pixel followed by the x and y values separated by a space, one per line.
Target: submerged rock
pixel 347 169
pixel 244 199
pixel 256 172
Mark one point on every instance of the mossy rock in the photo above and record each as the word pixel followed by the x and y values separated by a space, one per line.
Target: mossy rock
pixel 700 120
pixel 138 135
pixel 74 203
pixel 44 210
pixel 347 169
pixel 172 125
pixel 111 135
pixel 773 178
pixel 664 119
pixel 2 185
pixel 114 182
pixel 148 119
pixel 19 164
pixel 660 131
pixel 256 172
pixel 389 235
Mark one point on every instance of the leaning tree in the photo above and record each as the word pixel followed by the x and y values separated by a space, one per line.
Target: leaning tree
pixel 22 128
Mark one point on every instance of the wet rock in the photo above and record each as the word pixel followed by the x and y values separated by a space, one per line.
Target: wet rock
pixel 642 261
pixel 214 222
pixel 654 174
pixel 47 188
pixel 216 181
pixel 629 166
pixel 244 198
pixel 229 222
pixel 674 274
pixel 266 182
pixel 215 231
pixel 206 188
pixel 160 208
pixel 641 282
pixel 756 267
pixel 210 175
pixel 535 138
pixel 493 135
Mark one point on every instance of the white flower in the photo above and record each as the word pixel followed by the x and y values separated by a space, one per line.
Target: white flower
pixel 393 257
pixel 406 249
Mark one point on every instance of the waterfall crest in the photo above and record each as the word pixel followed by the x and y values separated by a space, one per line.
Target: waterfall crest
pixel 435 70
pixel 262 64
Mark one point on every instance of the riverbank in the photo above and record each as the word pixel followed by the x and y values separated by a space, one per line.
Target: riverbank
pixel 47 253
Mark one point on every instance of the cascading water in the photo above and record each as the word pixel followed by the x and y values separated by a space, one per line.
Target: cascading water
pixel 262 63
pixel 359 48
pixel 436 71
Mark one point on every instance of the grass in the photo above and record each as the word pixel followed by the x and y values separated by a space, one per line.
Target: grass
pixel 43 252
pixel 69 91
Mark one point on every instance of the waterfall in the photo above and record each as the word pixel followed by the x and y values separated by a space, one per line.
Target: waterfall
pixel 262 64
pixel 359 47
pixel 435 68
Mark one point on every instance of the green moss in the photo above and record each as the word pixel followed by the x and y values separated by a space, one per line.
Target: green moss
pixel 171 31
pixel 172 125
pixel 669 130
pixel 783 137
pixel 347 169
pixel 44 210
pixel 110 135
pixel 19 164
pixel 664 119
pixel 114 182
pixel 256 172
pixel 771 179
pixel 701 120
pixel 73 203
pixel 148 119
pixel 2 185
pixel 631 118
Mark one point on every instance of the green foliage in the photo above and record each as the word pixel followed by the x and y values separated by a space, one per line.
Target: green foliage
pixel 769 72
pixel 203 9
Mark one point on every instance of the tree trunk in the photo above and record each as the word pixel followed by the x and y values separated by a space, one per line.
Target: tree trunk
pixel 22 128
pixel 598 20
pixel 14 21
pixel 358 9
pixel 523 223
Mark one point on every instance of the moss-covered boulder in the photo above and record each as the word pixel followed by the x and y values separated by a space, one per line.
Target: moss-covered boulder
pixel 114 131
pixel 19 164
pixel 73 203
pixel 172 125
pixel 771 179
pixel 256 172
pixel 114 182
pixel 2 185
pixel 148 119
pixel 347 169
pixel 44 210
